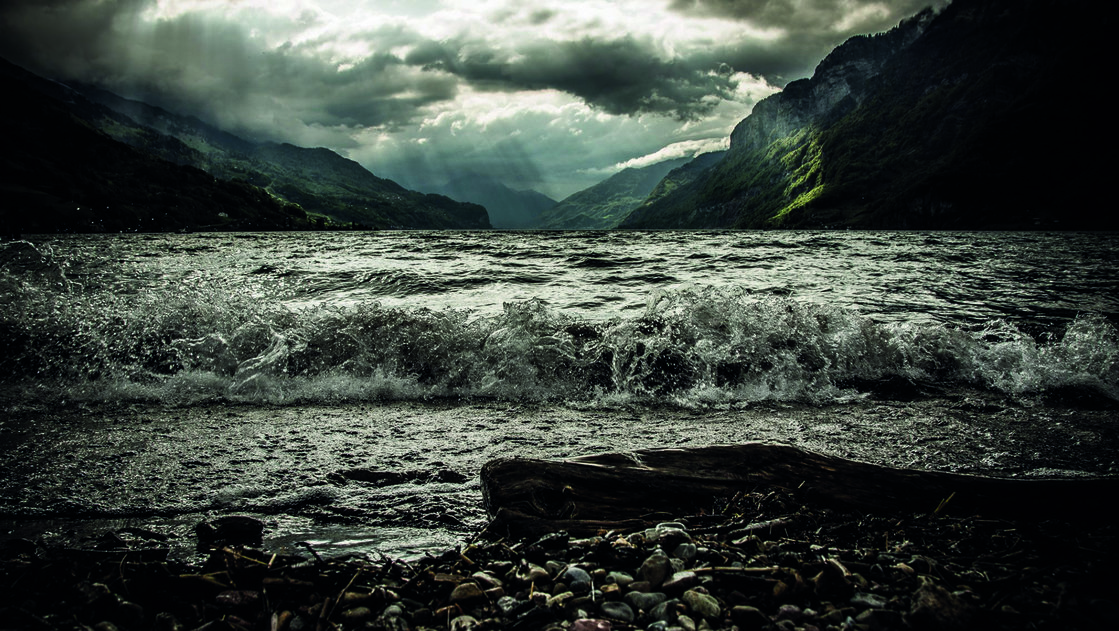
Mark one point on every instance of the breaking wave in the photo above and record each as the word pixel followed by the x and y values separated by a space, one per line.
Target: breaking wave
pixel 693 347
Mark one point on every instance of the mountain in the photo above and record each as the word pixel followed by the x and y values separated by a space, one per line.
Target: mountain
pixel 603 205
pixel 509 209
pixel 683 175
pixel 982 116
pixel 59 173
pixel 321 181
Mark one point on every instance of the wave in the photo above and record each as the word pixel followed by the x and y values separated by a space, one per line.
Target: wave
pixel 693 347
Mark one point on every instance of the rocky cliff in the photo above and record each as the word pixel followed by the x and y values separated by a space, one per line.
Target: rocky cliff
pixel 951 120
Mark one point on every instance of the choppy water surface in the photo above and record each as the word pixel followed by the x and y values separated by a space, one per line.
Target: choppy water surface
pixel 142 373
pixel 682 317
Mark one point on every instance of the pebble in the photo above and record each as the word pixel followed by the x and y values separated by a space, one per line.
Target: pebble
pixel 789 612
pixel 681 581
pixel 645 601
pixel 748 618
pixel 704 605
pixel 359 614
pixel 545 586
pixel 685 551
pixel 665 611
pixel 656 568
pixel 464 623
pixel 466 593
pixel 578 580
pixel 619 578
pixel 617 611
pixel 862 599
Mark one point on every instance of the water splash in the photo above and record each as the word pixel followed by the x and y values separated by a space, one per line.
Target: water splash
pixel 699 346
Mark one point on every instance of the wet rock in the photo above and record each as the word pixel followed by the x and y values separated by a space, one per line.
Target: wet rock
pixel 686 622
pixel 129 614
pixel 464 623
pixel 587 624
pixel 619 578
pixel 880 619
pixel 685 551
pixel 231 529
pixel 376 477
pixel 748 618
pixel 486 580
pixel 703 605
pixel 680 581
pixel 617 611
pixel 936 608
pixel 238 600
pixel 577 579
pixel 559 600
pixel 645 601
pixel 656 568
pixel 868 600
pixel 508 605
pixel 536 575
pixel 666 611
pixel 448 476
pixel 393 611
pixel 110 541
pixel 641 586
pixel 668 534
pixel 789 612
pixel 359 615
pixel 165 621
pixel 467 593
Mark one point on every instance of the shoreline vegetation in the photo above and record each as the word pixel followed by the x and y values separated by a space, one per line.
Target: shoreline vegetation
pixel 766 554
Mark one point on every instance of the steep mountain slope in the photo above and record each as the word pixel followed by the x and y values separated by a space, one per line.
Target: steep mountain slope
pixel 956 120
pixel 509 209
pixel 319 180
pixel 608 202
pixel 60 174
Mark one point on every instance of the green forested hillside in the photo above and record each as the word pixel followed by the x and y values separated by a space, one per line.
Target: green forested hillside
pixel 608 202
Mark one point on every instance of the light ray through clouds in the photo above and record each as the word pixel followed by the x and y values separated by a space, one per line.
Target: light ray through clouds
pixel 542 94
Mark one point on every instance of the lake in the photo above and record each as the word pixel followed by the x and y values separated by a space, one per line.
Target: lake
pixel 348 385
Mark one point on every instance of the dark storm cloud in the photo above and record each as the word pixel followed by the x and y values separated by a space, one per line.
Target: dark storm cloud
pixel 215 68
pixel 809 30
pixel 53 34
pixel 210 65
pixel 621 76
pixel 799 15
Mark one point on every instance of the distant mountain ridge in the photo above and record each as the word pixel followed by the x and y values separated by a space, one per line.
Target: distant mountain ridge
pixel 508 208
pixel 603 205
pixel 951 120
pixel 60 173
pixel 319 180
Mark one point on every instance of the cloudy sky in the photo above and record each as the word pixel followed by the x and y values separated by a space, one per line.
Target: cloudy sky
pixel 553 95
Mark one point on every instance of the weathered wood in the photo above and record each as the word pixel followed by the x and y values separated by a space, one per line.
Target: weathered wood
pixel 623 491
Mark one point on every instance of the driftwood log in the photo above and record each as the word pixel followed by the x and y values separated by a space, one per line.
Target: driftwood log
pixel 633 490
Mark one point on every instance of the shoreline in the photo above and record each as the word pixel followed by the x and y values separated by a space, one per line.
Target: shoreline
pixel 380 477
pixel 765 561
